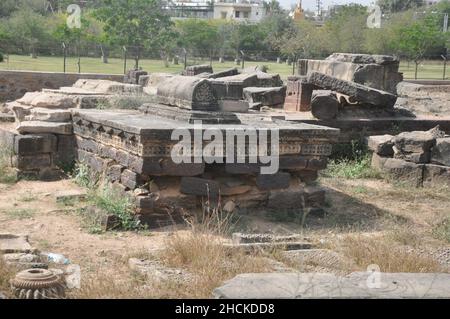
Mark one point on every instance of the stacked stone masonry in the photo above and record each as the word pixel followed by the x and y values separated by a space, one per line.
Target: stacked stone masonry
pixel 421 158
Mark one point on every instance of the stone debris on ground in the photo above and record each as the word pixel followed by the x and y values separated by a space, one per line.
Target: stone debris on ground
pixel 157 271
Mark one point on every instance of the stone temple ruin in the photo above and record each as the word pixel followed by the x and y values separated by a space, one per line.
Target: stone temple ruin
pixel 331 100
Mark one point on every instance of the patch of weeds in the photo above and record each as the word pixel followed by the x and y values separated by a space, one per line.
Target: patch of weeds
pixel 84 176
pixel 442 230
pixel 28 198
pixel 7 173
pixel 117 204
pixel 68 202
pixel 360 190
pixel 352 169
pixel 19 213
pixel 351 161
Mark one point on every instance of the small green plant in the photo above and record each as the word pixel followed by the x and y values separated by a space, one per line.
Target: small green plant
pixel 352 161
pixel 117 204
pixel 84 176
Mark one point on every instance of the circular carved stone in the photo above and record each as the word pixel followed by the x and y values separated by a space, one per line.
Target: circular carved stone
pixel 37 284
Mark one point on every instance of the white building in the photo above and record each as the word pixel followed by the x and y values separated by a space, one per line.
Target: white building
pixel 239 10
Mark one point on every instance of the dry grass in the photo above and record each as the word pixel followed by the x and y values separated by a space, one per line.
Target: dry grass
pixel 365 251
pixel 6 273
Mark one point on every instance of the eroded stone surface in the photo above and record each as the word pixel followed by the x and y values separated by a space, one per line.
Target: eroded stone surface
pixel 325 285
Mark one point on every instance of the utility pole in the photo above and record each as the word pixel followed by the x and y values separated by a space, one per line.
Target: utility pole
pixel 319 8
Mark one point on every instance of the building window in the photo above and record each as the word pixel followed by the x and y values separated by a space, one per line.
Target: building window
pixel 246 15
pixel 223 14
pixel 237 14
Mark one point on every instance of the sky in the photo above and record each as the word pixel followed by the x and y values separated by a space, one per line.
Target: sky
pixel 311 4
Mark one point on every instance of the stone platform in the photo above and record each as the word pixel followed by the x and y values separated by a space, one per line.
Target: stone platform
pixel 133 151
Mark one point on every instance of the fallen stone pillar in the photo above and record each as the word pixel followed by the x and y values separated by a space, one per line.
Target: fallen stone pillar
pixel 355 91
pixel 324 104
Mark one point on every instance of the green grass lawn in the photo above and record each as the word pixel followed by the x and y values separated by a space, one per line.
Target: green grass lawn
pixel 116 66
pixel 427 69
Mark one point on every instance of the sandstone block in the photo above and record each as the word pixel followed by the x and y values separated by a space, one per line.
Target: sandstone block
pixel 441 151
pixel 32 144
pixel 278 180
pixel 381 144
pixel 37 127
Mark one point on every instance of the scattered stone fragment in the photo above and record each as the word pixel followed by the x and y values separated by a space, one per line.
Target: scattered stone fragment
pixel 229 207
pixel 21 257
pixel 381 144
pixel 155 270
pixel 403 171
pixel 441 151
pixel 10 243
pixel 70 195
pixel 268 96
pixel 436 175
pixel 414 146
pixel 241 238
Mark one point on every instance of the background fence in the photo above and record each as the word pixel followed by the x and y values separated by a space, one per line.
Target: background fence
pixel 116 60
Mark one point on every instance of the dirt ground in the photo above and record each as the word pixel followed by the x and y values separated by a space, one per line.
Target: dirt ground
pixel 368 221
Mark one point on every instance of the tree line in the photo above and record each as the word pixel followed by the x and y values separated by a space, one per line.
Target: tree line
pixel 143 28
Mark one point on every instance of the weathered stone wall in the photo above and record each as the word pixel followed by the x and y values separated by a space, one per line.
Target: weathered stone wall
pixel 14 84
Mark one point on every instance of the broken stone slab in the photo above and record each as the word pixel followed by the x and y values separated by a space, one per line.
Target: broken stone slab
pixel 37 127
pixel 108 87
pixel 440 153
pixel 21 257
pixel 193 70
pixel 414 142
pixel 401 170
pixel 70 195
pixel 156 270
pixel 28 265
pixel 323 257
pixel 48 115
pixel 133 76
pixel 330 286
pixel 188 92
pixel 53 101
pixel 355 91
pixel 324 104
pixel 241 238
pixel 267 96
pixel 255 247
pixel 380 144
pixel 232 87
pixel 10 243
pixel 363 58
pixel 436 175
pixel 224 73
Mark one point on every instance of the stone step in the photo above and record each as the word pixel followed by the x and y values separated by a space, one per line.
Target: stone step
pixel 36 127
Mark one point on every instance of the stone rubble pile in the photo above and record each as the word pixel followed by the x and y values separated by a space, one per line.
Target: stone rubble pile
pixel 352 79
pixel 419 157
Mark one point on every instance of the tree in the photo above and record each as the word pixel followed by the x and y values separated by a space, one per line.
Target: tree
pixel 393 6
pixel 136 24
pixel 419 37
pixel 272 7
pixel 28 27
pixel 195 34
